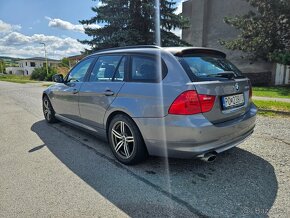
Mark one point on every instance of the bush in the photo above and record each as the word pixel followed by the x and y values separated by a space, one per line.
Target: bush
pixel 281 57
pixel 40 74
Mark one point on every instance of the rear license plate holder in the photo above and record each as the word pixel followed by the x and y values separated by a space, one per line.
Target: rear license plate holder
pixel 233 101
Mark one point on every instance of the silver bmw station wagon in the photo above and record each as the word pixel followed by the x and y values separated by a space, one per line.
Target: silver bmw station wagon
pixel 181 102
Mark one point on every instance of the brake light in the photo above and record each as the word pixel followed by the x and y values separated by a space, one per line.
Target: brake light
pixel 190 102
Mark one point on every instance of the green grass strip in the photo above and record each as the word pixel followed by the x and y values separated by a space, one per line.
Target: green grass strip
pixel 273 92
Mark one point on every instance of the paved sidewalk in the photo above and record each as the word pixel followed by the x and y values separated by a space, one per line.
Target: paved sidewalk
pixel 271 99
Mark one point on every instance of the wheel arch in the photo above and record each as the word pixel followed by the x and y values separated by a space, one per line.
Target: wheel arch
pixel 115 113
pixel 44 94
pixel 111 116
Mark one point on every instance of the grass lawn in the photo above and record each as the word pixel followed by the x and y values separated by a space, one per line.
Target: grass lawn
pixel 273 92
pixel 48 84
pixel 273 105
pixel 15 78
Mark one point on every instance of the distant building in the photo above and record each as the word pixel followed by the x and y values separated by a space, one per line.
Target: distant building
pixel 14 70
pixel 26 66
pixel 207 27
pixel 73 60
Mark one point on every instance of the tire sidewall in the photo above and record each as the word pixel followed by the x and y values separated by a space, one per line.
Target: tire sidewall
pixel 138 140
pixel 52 117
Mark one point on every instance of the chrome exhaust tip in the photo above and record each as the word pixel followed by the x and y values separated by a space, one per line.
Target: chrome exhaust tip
pixel 209 157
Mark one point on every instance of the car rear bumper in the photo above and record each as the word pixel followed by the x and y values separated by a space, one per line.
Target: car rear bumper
pixel 191 136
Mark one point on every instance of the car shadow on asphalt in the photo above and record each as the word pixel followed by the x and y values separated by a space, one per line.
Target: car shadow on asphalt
pixel 238 183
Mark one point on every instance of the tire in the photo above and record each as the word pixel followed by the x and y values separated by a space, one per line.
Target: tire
pixel 126 140
pixel 48 111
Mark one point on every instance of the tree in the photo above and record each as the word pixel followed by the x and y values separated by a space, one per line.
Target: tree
pixel 264 32
pixel 131 22
pixel 2 66
pixel 64 63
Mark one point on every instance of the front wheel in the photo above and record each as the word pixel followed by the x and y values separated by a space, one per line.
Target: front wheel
pixel 48 111
pixel 126 141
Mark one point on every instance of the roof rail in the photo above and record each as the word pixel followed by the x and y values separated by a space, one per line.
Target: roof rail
pixel 128 47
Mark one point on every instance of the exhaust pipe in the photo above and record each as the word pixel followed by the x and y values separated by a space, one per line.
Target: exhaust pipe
pixel 209 157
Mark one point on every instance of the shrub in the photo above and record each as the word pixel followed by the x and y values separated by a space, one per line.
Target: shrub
pixel 38 74
pixel 281 57
pixel 41 74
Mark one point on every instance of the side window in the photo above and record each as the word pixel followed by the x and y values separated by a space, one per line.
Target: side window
pixel 146 69
pixel 77 74
pixel 107 68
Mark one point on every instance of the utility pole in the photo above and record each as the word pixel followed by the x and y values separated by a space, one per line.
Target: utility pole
pixel 157 23
pixel 44 46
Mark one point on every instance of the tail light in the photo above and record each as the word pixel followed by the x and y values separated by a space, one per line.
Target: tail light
pixel 206 102
pixel 190 102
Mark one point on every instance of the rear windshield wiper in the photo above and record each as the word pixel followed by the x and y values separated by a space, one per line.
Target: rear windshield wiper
pixel 225 74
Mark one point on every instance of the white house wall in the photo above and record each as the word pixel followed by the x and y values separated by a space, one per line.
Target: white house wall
pixel 25 66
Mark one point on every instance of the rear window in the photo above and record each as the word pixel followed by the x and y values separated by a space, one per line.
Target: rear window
pixel 208 68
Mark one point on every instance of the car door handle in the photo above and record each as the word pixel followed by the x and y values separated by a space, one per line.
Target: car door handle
pixel 75 91
pixel 108 93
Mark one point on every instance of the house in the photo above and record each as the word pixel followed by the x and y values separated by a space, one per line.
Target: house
pixel 73 60
pixel 26 66
pixel 207 27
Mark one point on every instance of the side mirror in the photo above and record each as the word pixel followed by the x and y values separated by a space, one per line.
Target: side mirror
pixel 58 78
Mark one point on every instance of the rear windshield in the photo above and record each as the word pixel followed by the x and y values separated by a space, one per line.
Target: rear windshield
pixel 209 68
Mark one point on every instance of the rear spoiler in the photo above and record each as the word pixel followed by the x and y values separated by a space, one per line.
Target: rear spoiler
pixel 196 51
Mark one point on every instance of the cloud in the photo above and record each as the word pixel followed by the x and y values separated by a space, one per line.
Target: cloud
pixel 65 25
pixel 179 7
pixel 6 27
pixel 20 45
pixel 100 4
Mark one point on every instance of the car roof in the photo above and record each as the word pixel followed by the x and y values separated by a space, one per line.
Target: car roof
pixel 177 51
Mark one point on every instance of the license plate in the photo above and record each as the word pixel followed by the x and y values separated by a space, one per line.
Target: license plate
pixel 233 101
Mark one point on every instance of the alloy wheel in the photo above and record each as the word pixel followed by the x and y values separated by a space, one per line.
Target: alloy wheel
pixel 122 139
pixel 46 109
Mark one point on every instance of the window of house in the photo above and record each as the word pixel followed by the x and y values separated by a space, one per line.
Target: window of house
pixel 108 68
pixel 32 64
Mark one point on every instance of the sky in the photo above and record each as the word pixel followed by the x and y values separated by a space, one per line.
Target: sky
pixel 24 24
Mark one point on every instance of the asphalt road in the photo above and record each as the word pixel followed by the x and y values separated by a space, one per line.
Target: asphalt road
pixel 59 171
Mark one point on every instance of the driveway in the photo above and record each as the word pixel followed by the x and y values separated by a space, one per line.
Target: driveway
pixel 60 171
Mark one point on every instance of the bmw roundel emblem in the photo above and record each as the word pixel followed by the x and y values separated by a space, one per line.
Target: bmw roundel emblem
pixel 237 87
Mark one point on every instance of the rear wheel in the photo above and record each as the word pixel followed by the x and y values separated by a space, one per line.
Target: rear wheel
pixel 126 140
pixel 48 111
